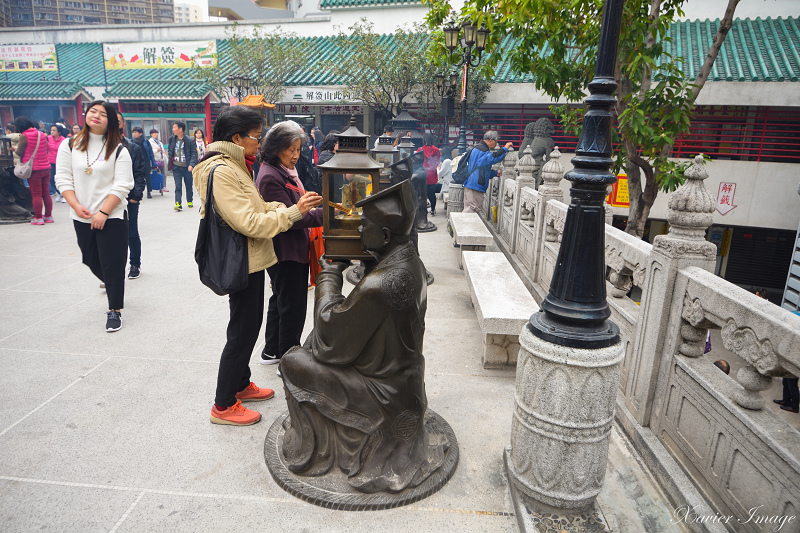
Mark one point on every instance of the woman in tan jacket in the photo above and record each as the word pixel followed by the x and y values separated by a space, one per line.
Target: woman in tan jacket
pixel 237 132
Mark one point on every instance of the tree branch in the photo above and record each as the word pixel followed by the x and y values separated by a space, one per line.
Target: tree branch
pixel 716 45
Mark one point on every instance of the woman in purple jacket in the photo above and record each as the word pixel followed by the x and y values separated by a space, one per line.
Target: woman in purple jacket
pixel 277 182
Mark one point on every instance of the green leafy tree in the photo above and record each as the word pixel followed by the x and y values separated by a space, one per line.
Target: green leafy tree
pixel 378 70
pixel 268 57
pixel 556 42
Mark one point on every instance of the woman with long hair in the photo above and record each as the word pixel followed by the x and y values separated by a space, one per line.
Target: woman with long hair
pixel 237 132
pixel 95 175
pixel 278 181
pixel 33 145
pixel 200 139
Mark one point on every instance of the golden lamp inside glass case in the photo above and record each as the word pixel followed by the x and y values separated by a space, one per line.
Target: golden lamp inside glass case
pixel 349 177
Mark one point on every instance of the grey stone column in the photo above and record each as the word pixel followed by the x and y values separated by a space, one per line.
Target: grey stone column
pixel 563 412
pixel 690 213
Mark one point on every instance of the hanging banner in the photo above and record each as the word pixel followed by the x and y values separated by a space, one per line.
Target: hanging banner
pixel 159 54
pixel 27 58
pixel 725 194
pixel 618 197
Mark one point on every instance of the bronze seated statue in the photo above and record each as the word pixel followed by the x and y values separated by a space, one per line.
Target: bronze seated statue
pixel 356 389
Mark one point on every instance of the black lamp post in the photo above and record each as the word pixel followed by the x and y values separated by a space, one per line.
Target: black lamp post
pixel 472 43
pixel 446 89
pixel 575 312
pixel 239 86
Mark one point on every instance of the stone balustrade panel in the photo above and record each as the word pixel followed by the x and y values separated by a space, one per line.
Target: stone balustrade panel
pixel 555 214
pixel 508 214
pixel 528 226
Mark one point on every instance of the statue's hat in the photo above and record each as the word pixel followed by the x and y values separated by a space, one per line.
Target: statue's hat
pixel 391 208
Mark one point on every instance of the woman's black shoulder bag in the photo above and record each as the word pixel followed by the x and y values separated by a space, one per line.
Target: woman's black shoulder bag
pixel 221 252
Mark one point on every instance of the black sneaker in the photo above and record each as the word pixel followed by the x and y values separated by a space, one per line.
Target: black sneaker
pixel 149 195
pixel 270 359
pixel 114 322
pixel 134 272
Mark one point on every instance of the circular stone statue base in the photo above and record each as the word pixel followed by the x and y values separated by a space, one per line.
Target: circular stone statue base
pixel 332 490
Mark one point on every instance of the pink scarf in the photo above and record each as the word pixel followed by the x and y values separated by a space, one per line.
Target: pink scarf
pixel 293 174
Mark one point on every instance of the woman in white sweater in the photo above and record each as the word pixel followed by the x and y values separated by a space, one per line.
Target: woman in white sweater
pixel 94 174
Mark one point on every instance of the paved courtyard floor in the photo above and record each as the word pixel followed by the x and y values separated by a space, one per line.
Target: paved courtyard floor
pixel 108 432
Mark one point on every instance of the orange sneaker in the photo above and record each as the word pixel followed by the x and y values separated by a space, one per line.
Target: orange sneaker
pixel 251 393
pixel 235 415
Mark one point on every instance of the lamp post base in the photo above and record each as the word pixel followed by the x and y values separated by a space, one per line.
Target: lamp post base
pixel 584 336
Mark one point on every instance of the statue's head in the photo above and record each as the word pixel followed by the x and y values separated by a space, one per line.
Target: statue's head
pixel 386 214
pixel 529 129
pixel 542 128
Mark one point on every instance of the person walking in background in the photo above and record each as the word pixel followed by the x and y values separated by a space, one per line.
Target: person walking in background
pixel 328 147
pixel 182 156
pixel 95 176
pixel 200 140
pixel 58 131
pixel 11 133
pixel 140 172
pixel 76 129
pixel 278 181
pixel 432 159
pixel 162 160
pixel 237 133
pixel 481 158
pixel 33 145
pixel 150 161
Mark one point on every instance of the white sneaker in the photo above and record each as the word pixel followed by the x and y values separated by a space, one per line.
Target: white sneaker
pixel 102 285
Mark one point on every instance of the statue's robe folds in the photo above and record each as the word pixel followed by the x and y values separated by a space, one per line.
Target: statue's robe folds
pixel 356 391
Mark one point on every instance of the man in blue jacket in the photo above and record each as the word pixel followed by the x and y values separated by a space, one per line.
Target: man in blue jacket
pixel 481 159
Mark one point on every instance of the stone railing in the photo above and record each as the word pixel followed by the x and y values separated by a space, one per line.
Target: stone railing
pixel 738 454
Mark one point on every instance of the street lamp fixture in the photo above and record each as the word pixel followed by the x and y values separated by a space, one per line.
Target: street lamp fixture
pixel 239 86
pixel 465 53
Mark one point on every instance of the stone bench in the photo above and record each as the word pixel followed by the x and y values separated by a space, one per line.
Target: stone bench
pixel 470 233
pixel 502 303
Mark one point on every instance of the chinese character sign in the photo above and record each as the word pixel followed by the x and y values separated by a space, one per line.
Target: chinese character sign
pixel 165 54
pixel 29 57
pixel 725 195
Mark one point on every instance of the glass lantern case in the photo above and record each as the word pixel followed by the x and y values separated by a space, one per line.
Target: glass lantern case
pixel 406 147
pixel 347 178
pixel 6 155
pixel 385 154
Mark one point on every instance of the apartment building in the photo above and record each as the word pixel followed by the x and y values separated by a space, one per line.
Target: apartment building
pixel 70 12
pixel 188 13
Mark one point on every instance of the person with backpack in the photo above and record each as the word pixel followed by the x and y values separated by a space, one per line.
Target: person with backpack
pixel 33 147
pixel 94 174
pixel 479 159
pixel 140 171
pixel 150 159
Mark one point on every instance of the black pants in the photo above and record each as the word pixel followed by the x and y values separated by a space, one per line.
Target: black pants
pixel 247 313
pixel 286 311
pixel 134 241
pixel 433 190
pixel 105 252
pixel 791 393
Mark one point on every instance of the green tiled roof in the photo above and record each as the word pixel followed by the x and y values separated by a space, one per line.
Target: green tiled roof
pixel 344 4
pixel 760 50
pixel 40 90
pixel 158 89
pixel 754 50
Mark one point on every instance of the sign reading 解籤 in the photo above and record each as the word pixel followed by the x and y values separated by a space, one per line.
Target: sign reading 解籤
pixel 27 58
pixel 160 54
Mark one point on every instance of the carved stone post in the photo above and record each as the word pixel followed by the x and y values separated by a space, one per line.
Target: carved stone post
pixel 690 213
pixel 550 189
pixel 506 172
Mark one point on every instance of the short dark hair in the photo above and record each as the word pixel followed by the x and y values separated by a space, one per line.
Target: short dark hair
pixel 388 129
pixel 23 123
pixel 137 129
pixel 428 139
pixel 153 131
pixel 329 143
pixel 181 125
pixel 236 120
pixel 723 365
pixel 279 138
pixel 11 127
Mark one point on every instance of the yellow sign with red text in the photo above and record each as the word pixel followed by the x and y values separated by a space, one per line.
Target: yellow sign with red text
pixel 618 197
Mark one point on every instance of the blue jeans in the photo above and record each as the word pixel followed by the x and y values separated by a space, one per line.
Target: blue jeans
pixel 182 175
pixel 134 242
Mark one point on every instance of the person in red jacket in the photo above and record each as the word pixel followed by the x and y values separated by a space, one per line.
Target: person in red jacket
pixel 39 182
pixel 432 159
